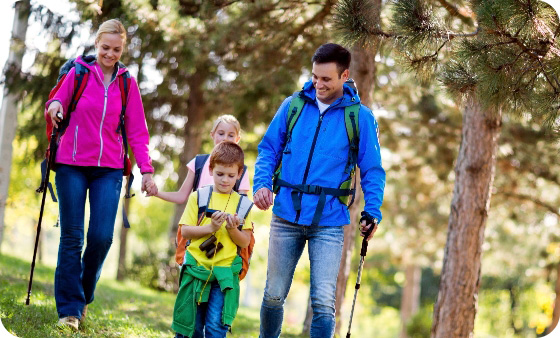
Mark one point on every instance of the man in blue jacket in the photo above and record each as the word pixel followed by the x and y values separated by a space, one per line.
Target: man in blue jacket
pixel 315 157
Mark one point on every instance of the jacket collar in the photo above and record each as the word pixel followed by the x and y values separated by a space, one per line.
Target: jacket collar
pixel 89 61
pixel 349 97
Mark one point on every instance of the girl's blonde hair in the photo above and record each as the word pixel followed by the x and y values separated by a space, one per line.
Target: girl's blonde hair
pixel 227 119
pixel 113 26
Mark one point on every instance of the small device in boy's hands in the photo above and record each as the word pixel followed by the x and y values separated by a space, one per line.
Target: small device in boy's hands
pixel 210 212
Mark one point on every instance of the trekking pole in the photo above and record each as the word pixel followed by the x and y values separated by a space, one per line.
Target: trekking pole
pixel 358 280
pixel 43 188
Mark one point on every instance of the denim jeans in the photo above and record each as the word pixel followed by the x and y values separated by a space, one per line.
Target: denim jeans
pixel 209 316
pixel 76 276
pixel 286 244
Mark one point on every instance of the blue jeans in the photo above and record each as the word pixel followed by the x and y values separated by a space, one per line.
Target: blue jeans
pixel 209 316
pixel 287 241
pixel 76 276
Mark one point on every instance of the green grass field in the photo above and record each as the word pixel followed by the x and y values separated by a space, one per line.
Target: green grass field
pixel 119 310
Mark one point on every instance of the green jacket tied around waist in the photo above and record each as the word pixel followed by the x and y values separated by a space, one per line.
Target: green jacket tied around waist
pixel 195 288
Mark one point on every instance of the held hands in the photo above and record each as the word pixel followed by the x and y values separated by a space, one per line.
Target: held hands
pixel 148 185
pixel 53 109
pixel 263 198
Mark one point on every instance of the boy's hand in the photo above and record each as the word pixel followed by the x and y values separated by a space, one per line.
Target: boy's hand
pixel 218 218
pixel 232 222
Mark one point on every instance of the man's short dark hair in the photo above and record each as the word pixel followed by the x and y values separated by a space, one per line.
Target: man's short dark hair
pixel 331 52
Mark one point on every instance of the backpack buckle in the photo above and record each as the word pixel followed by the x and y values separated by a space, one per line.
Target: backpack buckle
pixel 312 189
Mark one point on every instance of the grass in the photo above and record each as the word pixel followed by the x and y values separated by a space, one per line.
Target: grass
pixel 120 309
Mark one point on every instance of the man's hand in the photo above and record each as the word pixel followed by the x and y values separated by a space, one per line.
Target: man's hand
pixel 366 222
pixel 53 109
pixel 148 185
pixel 263 198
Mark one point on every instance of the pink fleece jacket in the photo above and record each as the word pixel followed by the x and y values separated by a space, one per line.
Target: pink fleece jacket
pixel 91 138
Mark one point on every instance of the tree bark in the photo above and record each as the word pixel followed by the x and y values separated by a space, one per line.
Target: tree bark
pixel 456 305
pixel 363 71
pixel 8 112
pixel 196 107
pixel 410 301
pixel 556 311
pixel 121 269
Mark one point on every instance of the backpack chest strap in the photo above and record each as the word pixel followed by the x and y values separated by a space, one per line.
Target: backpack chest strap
pixel 299 189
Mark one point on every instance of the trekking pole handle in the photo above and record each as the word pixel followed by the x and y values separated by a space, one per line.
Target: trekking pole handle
pixel 363 252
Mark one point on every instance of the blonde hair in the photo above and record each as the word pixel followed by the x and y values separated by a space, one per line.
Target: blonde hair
pixel 113 26
pixel 227 119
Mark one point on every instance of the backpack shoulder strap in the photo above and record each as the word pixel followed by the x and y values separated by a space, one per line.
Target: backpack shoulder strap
pixel 243 208
pixel 296 106
pixel 80 82
pixel 199 161
pixel 351 120
pixel 204 195
pixel 203 199
pixel 238 182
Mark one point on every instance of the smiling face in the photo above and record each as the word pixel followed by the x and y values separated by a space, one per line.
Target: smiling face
pixel 225 132
pixel 109 50
pixel 225 177
pixel 327 81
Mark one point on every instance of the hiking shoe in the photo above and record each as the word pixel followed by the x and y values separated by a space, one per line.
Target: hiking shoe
pixel 70 321
pixel 84 313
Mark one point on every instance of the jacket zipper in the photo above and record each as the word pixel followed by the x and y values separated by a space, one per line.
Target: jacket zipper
pixel 75 144
pixel 311 154
pixel 119 140
pixel 101 127
pixel 103 116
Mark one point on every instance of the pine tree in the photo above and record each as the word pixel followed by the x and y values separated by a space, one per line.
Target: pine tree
pixel 507 63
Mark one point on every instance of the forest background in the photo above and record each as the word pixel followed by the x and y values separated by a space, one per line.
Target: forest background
pixel 195 60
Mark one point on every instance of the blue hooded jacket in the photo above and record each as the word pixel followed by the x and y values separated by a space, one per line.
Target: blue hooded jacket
pixel 317 155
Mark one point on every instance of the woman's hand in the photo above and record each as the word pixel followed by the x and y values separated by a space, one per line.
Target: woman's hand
pixel 148 185
pixel 53 109
pixel 218 219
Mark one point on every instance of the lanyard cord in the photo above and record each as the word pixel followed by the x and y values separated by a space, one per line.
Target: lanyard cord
pixel 213 256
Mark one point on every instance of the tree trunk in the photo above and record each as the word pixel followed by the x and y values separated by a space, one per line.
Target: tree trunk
pixel 8 112
pixel 410 301
pixel 363 71
pixel 121 270
pixel 556 311
pixel 456 304
pixel 196 106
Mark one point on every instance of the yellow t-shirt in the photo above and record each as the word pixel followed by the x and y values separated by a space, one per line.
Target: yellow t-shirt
pixel 222 202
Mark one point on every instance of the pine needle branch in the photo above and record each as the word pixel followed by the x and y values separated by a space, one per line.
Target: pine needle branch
pixel 455 11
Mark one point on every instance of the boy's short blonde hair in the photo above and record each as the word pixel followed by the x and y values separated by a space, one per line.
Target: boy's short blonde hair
pixel 227 119
pixel 228 154
pixel 113 26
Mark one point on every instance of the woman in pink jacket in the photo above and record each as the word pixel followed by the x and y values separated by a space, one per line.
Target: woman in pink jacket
pixel 90 158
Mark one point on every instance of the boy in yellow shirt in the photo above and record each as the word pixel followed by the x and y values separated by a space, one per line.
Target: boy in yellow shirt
pixel 208 296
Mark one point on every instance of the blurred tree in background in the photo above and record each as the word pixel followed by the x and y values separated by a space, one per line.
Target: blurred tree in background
pixel 195 60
